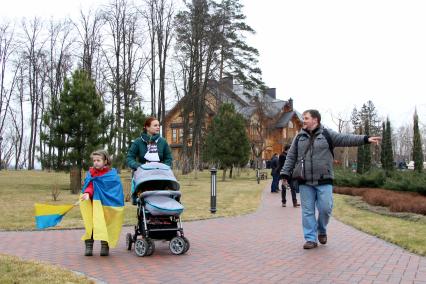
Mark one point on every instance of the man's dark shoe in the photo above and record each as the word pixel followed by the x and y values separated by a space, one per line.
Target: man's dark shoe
pixel 104 248
pixel 322 238
pixel 284 204
pixel 310 245
pixel 295 204
pixel 89 247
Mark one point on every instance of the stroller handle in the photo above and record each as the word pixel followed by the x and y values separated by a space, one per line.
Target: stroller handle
pixel 172 193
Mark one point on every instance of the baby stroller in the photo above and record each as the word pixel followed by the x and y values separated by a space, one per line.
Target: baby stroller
pixel 156 193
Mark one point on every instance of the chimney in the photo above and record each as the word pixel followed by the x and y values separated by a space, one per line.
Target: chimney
pixel 271 92
pixel 290 104
pixel 227 83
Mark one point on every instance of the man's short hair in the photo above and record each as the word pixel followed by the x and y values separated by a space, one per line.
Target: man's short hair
pixel 314 113
pixel 286 147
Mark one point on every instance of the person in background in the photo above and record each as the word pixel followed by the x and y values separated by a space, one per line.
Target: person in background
pixel 284 184
pixel 275 173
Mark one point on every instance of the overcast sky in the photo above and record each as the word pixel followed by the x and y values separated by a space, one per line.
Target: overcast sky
pixel 329 55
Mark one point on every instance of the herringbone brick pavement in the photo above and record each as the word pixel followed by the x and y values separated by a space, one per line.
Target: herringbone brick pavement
pixel 263 247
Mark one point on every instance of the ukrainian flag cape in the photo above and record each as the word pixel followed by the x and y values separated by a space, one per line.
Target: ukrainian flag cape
pixel 103 216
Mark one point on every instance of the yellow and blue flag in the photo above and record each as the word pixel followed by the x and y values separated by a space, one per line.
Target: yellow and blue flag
pixel 103 217
pixel 47 215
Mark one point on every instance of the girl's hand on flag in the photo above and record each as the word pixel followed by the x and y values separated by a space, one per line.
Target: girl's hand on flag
pixel 85 196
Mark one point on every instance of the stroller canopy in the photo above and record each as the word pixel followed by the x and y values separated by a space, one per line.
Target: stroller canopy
pixel 154 176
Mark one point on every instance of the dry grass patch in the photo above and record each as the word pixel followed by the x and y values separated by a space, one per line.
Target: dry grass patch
pixel 397 201
pixel 15 270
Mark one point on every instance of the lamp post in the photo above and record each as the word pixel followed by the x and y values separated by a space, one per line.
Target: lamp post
pixel 213 172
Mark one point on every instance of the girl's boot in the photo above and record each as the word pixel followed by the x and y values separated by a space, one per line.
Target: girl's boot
pixel 89 247
pixel 104 248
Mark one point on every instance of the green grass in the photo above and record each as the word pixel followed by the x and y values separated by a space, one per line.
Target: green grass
pixel 406 230
pixel 15 270
pixel 19 190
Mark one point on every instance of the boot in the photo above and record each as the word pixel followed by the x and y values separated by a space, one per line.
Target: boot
pixel 89 247
pixel 104 248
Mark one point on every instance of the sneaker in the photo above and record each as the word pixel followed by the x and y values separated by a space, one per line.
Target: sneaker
pixel 284 205
pixel 310 245
pixel 322 238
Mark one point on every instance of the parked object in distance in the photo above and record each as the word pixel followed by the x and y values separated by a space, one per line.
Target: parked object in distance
pixel 410 165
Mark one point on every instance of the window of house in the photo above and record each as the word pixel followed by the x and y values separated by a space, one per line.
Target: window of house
pixel 181 135
pixel 290 124
pixel 174 135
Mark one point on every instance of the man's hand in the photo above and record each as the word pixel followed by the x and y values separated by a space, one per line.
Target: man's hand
pixel 374 139
pixel 85 196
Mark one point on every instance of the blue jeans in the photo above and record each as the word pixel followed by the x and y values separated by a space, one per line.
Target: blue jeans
pixel 275 182
pixel 321 197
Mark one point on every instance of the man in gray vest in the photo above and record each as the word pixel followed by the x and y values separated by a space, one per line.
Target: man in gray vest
pixel 310 161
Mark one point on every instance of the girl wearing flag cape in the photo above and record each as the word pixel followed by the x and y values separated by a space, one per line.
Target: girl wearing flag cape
pixel 102 204
pixel 150 147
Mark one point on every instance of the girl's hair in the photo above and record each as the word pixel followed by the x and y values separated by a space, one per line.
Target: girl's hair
pixel 148 122
pixel 104 154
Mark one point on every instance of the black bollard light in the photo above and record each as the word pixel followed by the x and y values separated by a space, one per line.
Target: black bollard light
pixel 213 172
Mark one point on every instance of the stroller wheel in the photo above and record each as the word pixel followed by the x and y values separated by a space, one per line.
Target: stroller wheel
pixel 141 247
pixel 187 244
pixel 129 241
pixel 177 245
pixel 151 247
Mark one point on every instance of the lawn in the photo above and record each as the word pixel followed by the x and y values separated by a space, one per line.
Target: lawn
pixel 405 230
pixel 19 190
pixel 14 270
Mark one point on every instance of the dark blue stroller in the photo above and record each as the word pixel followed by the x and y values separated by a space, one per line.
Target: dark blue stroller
pixel 155 191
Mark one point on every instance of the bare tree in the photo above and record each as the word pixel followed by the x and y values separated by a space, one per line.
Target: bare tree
pixel 34 59
pixel 59 62
pixel 6 50
pixel 89 31
pixel 198 39
pixel 125 63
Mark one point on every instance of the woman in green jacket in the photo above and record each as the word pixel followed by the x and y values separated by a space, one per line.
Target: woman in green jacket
pixel 150 147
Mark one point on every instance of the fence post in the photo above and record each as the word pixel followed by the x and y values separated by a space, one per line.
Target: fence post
pixel 213 172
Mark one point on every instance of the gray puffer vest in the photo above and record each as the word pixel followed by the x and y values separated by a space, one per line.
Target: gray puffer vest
pixel 318 159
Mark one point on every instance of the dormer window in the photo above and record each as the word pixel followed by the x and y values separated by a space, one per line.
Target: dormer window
pixel 290 124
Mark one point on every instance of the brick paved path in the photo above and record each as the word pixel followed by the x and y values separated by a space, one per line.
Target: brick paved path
pixel 264 247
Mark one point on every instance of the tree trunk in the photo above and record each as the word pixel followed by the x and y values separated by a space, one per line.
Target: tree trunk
pixel 75 180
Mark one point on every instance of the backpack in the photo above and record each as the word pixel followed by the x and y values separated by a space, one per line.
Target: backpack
pixel 327 137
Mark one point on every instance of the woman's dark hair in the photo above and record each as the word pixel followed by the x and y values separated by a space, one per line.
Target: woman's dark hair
pixel 148 122
pixel 314 113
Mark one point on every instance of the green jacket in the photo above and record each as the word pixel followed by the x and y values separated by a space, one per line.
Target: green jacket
pixel 138 149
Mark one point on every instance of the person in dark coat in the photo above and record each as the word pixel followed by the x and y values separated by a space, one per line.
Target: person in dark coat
pixel 284 183
pixel 275 173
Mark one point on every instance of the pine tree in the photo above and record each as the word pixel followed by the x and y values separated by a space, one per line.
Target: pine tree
pixel 383 152
pixel 360 156
pixel 367 149
pixel 417 145
pixel 227 143
pixel 388 159
pixel 80 118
